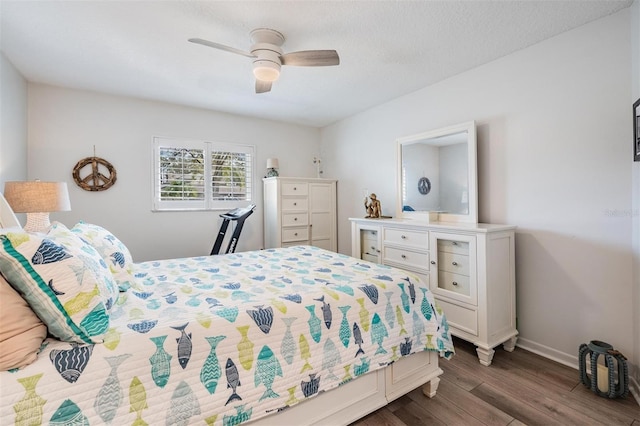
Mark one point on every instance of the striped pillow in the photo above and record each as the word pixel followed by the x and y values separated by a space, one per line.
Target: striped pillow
pixel 112 250
pixel 64 280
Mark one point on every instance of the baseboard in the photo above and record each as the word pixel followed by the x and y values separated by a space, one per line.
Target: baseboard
pixel 569 361
pixel 550 353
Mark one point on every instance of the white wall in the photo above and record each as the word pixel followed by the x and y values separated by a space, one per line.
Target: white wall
pixel 553 158
pixel 635 74
pixel 65 125
pixel 13 123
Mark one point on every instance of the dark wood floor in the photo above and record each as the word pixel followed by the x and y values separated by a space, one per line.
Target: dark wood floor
pixel 518 388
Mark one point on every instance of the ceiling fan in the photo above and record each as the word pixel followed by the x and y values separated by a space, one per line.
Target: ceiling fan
pixel 268 56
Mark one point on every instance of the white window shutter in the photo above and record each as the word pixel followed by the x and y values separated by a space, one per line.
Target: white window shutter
pixel 201 175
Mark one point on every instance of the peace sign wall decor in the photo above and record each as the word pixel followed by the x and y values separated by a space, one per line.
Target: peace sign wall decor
pixel 94 174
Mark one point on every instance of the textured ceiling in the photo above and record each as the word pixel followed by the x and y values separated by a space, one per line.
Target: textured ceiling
pixel 387 48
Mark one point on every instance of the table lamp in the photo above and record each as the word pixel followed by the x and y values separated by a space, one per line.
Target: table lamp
pixel 272 167
pixel 37 199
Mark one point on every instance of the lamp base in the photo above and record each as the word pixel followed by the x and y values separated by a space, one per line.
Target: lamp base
pixel 37 222
pixel 272 173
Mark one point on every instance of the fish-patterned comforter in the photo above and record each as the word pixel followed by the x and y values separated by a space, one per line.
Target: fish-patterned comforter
pixel 226 339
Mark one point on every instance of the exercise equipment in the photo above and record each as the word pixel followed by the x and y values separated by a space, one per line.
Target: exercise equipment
pixel 237 215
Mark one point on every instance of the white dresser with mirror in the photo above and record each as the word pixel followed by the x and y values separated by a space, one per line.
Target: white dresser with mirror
pixel 469 266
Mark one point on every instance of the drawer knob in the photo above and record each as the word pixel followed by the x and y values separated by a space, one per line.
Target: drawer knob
pixel 377 251
pixel 454 243
pixel 403 256
pixel 373 247
pixel 295 204
pixel 433 262
pixel 295 189
pixel 296 234
pixel 454 283
pixel 454 263
pixel 295 218
pixel 404 237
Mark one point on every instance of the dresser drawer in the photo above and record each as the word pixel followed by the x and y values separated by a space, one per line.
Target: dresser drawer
pixel 370 245
pixel 406 257
pixel 450 246
pixel 295 188
pixel 460 317
pixel 368 234
pixel 456 283
pixel 454 263
pixel 405 237
pixel 370 257
pixel 293 204
pixel 293 219
pixel 295 234
pixel 370 249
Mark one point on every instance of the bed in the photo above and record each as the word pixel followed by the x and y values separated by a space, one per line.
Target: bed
pixel 297 335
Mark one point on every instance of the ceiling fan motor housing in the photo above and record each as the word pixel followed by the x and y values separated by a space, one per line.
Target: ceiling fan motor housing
pixel 266 66
pixel 266 48
pixel 267 36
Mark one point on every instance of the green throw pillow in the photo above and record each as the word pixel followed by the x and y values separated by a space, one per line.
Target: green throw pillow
pixel 64 280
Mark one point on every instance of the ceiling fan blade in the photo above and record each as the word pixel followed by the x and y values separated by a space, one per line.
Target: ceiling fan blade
pixel 263 86
pixel 311 58
pixel 221 47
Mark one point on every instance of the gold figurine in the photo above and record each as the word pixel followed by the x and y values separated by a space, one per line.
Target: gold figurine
pixel 372 207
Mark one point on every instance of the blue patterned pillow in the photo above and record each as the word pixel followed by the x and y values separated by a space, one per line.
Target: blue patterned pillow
pixel 64 280
pixel 112 250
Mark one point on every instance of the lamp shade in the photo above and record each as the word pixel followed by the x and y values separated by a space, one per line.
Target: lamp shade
pixel 37 196
pixel 272 163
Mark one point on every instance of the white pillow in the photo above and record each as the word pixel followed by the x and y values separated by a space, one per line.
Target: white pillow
pixel 112 250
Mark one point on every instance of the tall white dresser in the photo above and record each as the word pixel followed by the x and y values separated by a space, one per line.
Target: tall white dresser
pixel 300 211
pixel 470 268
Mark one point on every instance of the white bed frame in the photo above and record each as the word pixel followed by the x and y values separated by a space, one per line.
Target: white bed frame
pixel 365 394
pixel 350 401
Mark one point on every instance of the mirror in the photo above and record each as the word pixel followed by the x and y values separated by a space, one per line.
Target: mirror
pixel 437 178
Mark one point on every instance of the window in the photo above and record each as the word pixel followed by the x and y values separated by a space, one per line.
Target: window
pixel 200 175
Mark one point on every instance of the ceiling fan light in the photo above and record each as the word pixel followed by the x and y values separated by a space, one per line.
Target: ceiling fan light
pixel 266 70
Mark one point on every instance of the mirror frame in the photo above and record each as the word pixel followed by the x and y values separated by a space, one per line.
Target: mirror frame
pixel 472 173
